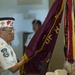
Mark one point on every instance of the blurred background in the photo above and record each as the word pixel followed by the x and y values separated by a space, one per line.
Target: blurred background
pixel 24 12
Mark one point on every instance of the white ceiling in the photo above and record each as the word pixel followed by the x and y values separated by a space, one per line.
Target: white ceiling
pixel 12 5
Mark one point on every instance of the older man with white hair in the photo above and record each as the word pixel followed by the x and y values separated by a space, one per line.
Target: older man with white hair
pixel 8 60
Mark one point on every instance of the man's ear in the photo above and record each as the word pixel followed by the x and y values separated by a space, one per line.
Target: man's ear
pixel 1 32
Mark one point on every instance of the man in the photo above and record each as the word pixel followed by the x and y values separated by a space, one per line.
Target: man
pixel 36 24
pixel 8 60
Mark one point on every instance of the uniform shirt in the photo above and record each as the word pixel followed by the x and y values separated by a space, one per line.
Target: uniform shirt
pixel 7 58
pixel 29 39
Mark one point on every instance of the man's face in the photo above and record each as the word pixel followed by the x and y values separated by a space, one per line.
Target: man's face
pixel 8 34
pixel 35 27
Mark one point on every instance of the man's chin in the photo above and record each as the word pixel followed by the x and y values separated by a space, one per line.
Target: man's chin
pixel 12 39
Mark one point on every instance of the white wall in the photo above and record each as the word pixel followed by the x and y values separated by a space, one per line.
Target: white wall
pixel 58 58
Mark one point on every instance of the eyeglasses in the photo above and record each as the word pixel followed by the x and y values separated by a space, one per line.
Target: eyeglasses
pixel 9 30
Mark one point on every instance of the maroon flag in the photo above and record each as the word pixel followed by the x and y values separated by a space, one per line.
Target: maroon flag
pixel 40 48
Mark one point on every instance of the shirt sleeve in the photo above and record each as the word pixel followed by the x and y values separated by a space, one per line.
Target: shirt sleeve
pixel 28 39
pixel 6 59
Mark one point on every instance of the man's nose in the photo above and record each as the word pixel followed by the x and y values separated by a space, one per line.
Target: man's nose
pixel 13 32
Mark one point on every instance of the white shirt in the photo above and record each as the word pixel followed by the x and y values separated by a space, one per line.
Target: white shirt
pixel 7 58
pixel 29 39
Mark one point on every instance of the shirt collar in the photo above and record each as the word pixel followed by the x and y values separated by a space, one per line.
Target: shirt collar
pixel 2 41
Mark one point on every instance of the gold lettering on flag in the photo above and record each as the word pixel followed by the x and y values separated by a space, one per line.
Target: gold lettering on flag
pixel 48 39
pixel 57 30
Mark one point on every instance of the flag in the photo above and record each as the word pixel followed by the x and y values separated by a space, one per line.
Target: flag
pixel 39 51
pixel 73 26
pixel 69 31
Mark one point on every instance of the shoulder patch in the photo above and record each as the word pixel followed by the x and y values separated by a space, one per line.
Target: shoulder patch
pixel 1 44
pixel 5 53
